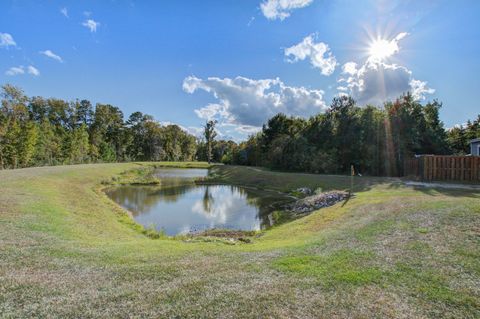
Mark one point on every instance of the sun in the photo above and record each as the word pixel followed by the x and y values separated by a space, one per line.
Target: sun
pixel 381 49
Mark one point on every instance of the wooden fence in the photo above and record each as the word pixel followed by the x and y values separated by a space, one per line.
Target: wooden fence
pixel 444 168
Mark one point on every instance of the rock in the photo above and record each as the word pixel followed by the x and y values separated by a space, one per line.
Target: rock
pixel 314 202
pixel 304 191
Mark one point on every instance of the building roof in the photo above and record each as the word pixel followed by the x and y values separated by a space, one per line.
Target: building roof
pixel 475 140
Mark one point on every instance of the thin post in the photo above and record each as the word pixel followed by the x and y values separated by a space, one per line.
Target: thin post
pixel 352 174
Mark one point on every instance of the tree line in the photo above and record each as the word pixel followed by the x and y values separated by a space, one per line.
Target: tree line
pixel 38 131
pixel 377 141
pixel 41 131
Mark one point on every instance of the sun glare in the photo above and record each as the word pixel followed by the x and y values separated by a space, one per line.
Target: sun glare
pixel 381 49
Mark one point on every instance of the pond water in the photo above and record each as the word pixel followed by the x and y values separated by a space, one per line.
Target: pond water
pixel 179 206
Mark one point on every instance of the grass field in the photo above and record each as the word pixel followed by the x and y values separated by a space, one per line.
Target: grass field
pixel 391 251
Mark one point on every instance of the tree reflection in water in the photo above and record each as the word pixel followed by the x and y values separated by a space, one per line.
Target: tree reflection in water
pixel 207 200
pixel 179 205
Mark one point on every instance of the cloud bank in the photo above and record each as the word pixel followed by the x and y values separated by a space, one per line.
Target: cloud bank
pixel 249 103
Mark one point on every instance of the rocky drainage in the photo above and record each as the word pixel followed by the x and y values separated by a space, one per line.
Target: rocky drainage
pixel 317 201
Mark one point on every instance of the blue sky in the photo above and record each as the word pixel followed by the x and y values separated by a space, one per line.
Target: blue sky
pixel 242 61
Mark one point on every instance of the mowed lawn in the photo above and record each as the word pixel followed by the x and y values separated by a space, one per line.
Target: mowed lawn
pixel 391 251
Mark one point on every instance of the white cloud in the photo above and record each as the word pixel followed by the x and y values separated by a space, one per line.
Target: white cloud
pixel 281 9
pixel 64 11
pixel 350 68
pixel 377 81
pixel 250 102
pixel 6 40
pixel 91 24
pixel 33 70
pixel 419 89
pixel 318 52
pixel 51 55
pixel 15 70
pixel 210 111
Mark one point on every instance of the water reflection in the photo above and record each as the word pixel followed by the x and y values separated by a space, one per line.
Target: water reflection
pixel 179 206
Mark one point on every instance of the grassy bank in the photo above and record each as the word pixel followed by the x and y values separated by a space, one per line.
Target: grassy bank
pixel 392 251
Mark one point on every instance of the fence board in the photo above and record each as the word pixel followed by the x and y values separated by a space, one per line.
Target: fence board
pixel 448 168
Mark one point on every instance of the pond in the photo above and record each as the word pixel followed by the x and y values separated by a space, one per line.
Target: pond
pixel 179 206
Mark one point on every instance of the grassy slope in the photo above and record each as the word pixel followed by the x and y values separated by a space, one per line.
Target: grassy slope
pixel 392 251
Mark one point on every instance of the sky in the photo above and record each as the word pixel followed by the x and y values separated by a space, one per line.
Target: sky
pixel 241 62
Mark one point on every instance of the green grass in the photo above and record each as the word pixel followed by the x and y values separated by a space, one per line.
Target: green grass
pixel 342 266
pixel 66 251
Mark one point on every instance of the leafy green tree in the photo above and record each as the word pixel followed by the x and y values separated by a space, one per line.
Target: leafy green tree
pixel 435 136
pixel 10 143
pixel 83 113
pixel 39 131
pixel 79 148
pixel 17 134
pixel 27 139
pixel 48 145
pixel 107 133
pixel 472 130
pixel 457 140
pixel 136 126
pixel 345 124
pixel 405 126
pixel 209 133
pixel 188 146
pixel 171 140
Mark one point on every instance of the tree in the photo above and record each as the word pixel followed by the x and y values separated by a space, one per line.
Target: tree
pixel 17 137
pixel 107 133
pixel 405 128
pixel 457 140
pixel 48 146
pixel 345 124
pixel 209 134
pixel 39 131
pixel 79 146
pixel 136 126
pixel 434 138
pixel 27 139
pixel 10 143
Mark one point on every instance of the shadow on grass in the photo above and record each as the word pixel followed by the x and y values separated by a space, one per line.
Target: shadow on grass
pixel 289 181
pixel 454 192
